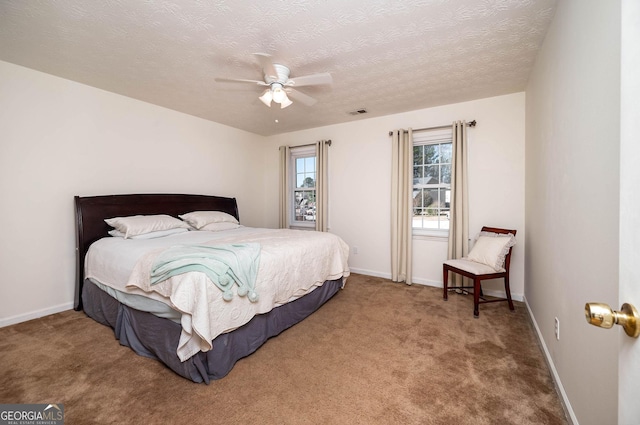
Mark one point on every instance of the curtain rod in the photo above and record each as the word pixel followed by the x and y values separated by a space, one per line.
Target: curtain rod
pixel 312 144
pixel 470 124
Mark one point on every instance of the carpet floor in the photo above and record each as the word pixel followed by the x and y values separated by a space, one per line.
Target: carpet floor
pixel 377 353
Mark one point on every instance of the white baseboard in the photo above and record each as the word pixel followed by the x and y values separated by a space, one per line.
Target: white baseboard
pixel 435 283
pixel 427 282
pixel 371 273
pixel 554 372
pixel 501 294
pixel 8 321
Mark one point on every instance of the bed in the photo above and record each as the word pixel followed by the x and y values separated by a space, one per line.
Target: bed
pixel 192 337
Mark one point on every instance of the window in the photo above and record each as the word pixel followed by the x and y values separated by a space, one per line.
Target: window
pixel 431 181
pixel 303 171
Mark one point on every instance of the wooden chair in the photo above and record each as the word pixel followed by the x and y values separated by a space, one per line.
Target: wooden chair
pixel 479 272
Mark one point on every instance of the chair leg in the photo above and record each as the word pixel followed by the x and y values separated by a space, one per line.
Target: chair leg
pixel 508 291
pixel 476 297
pixel 445 283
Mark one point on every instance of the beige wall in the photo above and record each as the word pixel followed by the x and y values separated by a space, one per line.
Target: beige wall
pixel 572 200
pixel 360 178
pixel 59 139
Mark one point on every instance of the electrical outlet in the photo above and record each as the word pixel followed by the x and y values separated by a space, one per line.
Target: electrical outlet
pixel 557 329
pixel 355 250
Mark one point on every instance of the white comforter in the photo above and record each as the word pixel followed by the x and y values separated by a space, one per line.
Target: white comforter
pixel 292 263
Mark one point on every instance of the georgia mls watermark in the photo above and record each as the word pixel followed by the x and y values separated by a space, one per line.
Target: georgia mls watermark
pixel 31 414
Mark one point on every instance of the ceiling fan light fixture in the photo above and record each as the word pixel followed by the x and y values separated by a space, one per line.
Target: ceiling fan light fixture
pixel 276 78
pixel 279 95
pixel 266 97
pixel 286 102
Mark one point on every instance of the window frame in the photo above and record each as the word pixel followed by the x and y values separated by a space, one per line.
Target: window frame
pixel 297 153
pixel 430 137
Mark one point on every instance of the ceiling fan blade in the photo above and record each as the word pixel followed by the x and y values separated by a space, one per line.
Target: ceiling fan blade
pixel 310 80
pixel 239 80
pixel 301 97
pixel 267 65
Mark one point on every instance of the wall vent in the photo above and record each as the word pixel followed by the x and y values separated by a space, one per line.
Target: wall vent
pixel 358 112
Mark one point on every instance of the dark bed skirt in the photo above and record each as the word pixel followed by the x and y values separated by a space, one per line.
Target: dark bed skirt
pixel 157 338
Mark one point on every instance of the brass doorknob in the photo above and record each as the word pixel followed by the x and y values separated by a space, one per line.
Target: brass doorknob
pixel 598 314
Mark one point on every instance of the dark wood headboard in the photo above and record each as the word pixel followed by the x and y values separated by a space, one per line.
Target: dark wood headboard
pixel 92 210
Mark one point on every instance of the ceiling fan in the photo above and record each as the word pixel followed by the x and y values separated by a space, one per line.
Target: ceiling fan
pixel 278 84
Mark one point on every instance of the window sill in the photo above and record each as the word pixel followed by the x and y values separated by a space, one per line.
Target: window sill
pixel 431 235
pixel 302 226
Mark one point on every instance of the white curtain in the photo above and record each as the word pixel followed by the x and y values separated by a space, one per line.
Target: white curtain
pixel 322 184
pixel 401 205
pixel 459 215
pixel 285 154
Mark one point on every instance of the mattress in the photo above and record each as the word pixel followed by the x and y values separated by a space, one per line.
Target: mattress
pixel 141 303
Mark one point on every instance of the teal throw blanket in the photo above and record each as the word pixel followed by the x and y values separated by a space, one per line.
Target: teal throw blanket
pixel 226 266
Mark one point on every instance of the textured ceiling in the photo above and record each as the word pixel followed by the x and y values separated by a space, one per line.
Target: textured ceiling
pixel 386 56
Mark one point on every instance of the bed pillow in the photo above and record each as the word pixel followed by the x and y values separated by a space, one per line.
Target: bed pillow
pixel 216 227
pixel 491 249
pixel 141 224
pixel 199 219
pixel 150 235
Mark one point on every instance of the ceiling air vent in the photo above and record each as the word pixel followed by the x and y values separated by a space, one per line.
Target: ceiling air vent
pixel 358 112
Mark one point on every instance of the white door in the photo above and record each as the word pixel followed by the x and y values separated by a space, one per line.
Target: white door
pixel 629 285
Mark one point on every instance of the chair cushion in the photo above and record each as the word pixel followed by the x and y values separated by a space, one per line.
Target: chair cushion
pixel 471 266
pixel 491 249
